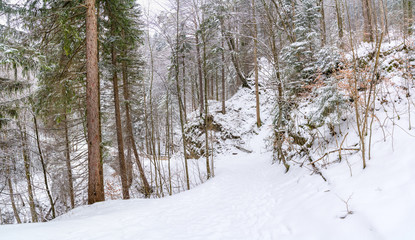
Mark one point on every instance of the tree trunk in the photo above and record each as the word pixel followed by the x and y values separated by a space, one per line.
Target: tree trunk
pixel 212 86
pixel 68 163
pixel 199 69
pixel 193 96
pixel 130 136
pixel 179 98
pixel 235 60
pixel 258 117
pixel 322 22
pixel 208 171
pixel 129 162
pixel 27 163
pixel 279 133
pixel 373 11
pixel 15 211
pixel 410 18
pixel 184 89
pixel 384 12
pixel 217 85
pixel 152 141
pixel 367 21
pixel 167 152
pixel 99 103
pixel 147 135
pixel 339 23
pixel 287 25
pixel 42 161
pixel 223 76
pixel 120 140
pixel 95 171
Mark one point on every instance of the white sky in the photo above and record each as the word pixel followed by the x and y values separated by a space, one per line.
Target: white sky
pixel 155 6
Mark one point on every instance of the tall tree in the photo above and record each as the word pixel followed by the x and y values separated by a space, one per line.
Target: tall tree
pixel 95 170
pixel 322 22
pixel 131 72
pixel 179 98
pixel 28 173
pixel 339 23
pixel 42 161
pixel 368 35
pixel 114 9
pixel 258 117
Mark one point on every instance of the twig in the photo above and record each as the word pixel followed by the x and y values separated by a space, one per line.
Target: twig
pixel 243 149
pixel 333 151
pixel 341 145
pixel 346 202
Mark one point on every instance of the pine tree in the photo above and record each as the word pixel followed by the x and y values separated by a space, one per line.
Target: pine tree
pixel 59 101
pixel 96 178
pixel 299 56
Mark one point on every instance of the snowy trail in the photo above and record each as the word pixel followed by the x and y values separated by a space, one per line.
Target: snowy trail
pixel 248 199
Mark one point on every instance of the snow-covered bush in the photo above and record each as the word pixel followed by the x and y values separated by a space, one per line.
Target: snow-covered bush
pixel 328 60
pixel 328 104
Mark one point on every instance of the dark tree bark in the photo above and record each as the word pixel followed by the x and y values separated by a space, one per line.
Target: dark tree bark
pixel 68 163
pixel 384 12
pixel 199 70
pixel 184 89
pixel 407 12
pixel 367 21
pixel 339 23
pixel 179 98
pixel 279 132
pixel 130 136
pixel 42 161
pixel 206 121
pixel 9 183
pixel 410 17
pixel 167 151
pixel 235 60
pixel 95 171
pixel 223 76
pixel 322 22
pixel 258 115
pixel 120 140
pixel 27 163
pixel 117 111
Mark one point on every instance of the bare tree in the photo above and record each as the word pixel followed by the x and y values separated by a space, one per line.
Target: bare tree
pixel 258 117
pixel 368 25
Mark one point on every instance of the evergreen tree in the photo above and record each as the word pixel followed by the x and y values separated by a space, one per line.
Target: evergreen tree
pixel 60 97
pixel 299 56
pixel 122 43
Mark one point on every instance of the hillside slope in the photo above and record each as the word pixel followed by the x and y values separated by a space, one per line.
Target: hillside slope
pixel 251 198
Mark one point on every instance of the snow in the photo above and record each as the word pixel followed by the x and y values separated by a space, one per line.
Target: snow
pixel 251 198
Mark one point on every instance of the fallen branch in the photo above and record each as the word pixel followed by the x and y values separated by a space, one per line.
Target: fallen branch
pixel 337 150
pixel 243 149
pixel 315 168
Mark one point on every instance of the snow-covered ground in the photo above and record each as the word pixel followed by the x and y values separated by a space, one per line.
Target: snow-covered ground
pixel 251 198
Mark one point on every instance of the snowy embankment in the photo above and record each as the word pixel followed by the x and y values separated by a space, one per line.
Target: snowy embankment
pixel 250 198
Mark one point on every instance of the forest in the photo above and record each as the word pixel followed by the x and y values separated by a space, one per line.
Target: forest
pixel 112 99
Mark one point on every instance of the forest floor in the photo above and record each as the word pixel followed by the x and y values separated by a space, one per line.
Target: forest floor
pixel 251 198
